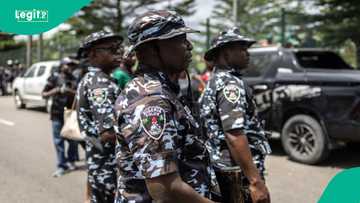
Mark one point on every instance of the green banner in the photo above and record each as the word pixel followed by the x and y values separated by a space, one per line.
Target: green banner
pixel 343 188
pixel 35 16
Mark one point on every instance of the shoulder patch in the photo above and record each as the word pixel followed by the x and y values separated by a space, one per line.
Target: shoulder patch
pixel 153 121
pixel 232 93
pixel 99 95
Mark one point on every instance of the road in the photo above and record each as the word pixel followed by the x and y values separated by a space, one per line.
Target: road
pixel 27 159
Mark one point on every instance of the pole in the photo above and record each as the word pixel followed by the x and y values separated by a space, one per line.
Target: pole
pixel 118 25
pixel 61 50
pixel 29 52
pixel 207 33
pixel 283 26
pixel 235 9
pixel 40 47
pixel 357 44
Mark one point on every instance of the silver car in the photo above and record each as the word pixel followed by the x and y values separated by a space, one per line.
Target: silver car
pixel 27 88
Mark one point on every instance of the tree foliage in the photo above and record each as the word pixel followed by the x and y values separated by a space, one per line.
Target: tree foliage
pixel 115 15
pixel 262 19
pixel 339 21
pixel 255 18
pixel 7 42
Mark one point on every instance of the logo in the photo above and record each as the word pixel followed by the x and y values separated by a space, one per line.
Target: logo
pixel 232 93
pixel 153 121
pixel 32 16
pixel 99 95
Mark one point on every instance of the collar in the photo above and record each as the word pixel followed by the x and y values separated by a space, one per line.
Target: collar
pixel 94 69
pixel 229 69
pixel 98 70
pixel 174 86
pixel 162 77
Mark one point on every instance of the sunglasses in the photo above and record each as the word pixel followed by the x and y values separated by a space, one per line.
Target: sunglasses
pixel 114 49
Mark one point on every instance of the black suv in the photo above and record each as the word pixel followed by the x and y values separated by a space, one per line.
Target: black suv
pixel 308 97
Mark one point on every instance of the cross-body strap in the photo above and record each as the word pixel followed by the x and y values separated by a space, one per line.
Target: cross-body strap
pixel 73 106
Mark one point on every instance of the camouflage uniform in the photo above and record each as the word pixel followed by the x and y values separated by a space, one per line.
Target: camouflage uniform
pixel 227 104
pixel 157 137
pixel 96 96
pixel 156 131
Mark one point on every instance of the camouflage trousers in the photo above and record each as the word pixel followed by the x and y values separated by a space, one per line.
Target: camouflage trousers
pixel 98 196
pixel 101 176
pixel 102 185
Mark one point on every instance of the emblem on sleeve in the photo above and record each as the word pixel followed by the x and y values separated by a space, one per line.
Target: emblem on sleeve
pixel 153 121
pixel 232 93
pixel 99 95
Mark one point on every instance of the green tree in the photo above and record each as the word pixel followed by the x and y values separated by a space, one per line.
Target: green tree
pixel 7 42
pixel 339 21
pixel 255 18
pixel 184 7
pixel 116 14
pixel 262 19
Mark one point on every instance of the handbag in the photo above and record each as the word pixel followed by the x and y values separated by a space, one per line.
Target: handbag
pixel 71 129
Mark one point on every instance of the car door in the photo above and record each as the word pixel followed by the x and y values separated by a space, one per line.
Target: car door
pixel 40 81
pixel 29 79
pixel 258 77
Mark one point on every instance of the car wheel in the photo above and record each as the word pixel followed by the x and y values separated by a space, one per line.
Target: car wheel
pixel 304 140
pixel 19 103
pixel 49 103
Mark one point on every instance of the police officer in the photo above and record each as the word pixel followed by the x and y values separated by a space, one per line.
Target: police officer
pixel 96 98
pixel 159 155
pixel 236 137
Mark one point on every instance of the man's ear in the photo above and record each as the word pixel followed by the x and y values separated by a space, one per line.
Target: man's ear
pixel 156 48
pixel 92 53
pixel 226 54
pixel 147 50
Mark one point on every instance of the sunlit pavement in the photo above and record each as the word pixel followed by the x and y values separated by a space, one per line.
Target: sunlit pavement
pixel 27 159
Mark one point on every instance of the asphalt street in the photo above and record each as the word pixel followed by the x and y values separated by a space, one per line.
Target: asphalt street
pixel 27 160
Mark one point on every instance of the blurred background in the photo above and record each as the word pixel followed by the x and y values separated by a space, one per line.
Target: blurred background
pixel 26 148
pixel 298 23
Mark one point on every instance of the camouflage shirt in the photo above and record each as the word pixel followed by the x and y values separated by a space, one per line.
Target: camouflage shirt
pixel 226 105
pixel 96 96
pixel 156 136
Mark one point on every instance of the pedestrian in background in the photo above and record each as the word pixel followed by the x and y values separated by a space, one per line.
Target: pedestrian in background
pixel 61 86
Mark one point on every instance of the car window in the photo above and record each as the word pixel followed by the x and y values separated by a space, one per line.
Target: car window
pixel 321 59
pixel 30 73
pixel 259 63
pixel 288 60
pixel 54 68
pixel 41 71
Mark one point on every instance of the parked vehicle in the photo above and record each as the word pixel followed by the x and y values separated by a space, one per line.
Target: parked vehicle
pixel 27 88
pixel 310 97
